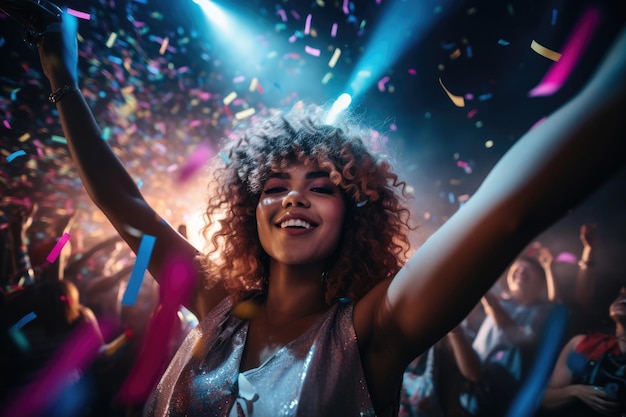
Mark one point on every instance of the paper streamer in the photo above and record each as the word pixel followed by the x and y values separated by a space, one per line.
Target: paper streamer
pixel 458 101
pixel 76 353
pixel 572 52
pixel 15 154
pixel 141 264
pixel 176 286
pixel 545 52
pixel 56 250
pixel 527 400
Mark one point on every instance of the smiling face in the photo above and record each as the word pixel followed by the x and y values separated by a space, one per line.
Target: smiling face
pixel 526 281
pixel 300 215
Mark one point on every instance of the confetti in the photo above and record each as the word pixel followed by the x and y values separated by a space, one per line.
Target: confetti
pixel 311 51
pixel 456 100
pixel 78 14
pixel 229 98
pixel 382 82
pixel 566 257
pixel 141 264
pixel 334 58
pixel 572 52
pixel 15 154
pixel 176 285
pixel 244 113
pixel 195 162
pixel 164 46
pixel 545 52
pixel 525 403
pixel 56 250
pixel 111 40
pixel 76 353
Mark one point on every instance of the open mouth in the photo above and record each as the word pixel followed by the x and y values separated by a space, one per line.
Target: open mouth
pixel 295 223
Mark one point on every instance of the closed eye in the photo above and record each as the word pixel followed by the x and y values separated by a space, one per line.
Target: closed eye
pixel 274 190
pixel 323 190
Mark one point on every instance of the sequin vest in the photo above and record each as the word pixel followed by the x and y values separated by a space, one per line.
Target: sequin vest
pixel 319 374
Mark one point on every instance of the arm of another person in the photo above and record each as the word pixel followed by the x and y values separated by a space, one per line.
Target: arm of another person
pixel 561 391
pixel 465 356
pixel 585 284
pixel 545 259
pixel 106 180
pixel 553 167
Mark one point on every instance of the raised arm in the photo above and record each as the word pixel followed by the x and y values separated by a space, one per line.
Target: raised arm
pixel 546 259
pixel 547 172
pixel 585 284
pixel 105 178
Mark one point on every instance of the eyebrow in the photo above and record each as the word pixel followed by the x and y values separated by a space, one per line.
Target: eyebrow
pixel 308 175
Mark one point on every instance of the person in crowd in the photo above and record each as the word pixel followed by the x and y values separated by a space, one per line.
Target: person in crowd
pixel 308 300
pixel 589 378
pixel 56 312
pixel 498 358
pixel 15 264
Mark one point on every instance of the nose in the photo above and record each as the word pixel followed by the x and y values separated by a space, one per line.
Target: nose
pixel 294 198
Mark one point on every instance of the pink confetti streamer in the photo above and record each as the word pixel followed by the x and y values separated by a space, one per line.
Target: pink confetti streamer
pixel 382 82
pixel 76 353
pixel 177 283
pixel 333 30
pixel 56 250
pixel 573 50
pixel 195 162
pixel 307 25
pixel 79 14
pixel 346 8
pixel 312 51
pixel 566 257
pixel 282 14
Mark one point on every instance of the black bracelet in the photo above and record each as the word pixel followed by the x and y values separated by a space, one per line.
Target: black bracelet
pixel 56 95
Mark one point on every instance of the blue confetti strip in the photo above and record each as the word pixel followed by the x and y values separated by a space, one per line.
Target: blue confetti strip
pixel 530 395
pixel 24 321
pixel 141 264
pixel 15 154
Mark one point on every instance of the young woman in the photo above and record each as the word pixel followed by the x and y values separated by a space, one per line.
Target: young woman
pixel 588 378
pixel 312 234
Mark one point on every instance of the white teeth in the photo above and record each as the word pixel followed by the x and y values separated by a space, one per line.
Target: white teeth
pixel 296 223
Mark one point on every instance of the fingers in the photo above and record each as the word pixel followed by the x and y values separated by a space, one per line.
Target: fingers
pixel 600 401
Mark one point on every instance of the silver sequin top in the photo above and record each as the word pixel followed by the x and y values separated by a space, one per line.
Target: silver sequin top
pixel 318 374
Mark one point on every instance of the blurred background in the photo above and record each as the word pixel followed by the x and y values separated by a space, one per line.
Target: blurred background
pixel 445 83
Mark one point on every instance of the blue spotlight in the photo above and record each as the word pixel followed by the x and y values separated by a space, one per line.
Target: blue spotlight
pixel 342 103
pixel 233 30
pixel 400 26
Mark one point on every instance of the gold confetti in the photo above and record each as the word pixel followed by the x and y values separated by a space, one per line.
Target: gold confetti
pixel 111 40
pixel 545 52
pixel 458 101
pixel 244 113
pixel 164 45
pixel 229 98
pixel 334 58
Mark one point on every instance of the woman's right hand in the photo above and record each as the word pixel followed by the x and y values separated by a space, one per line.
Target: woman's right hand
pixel 58 53
pixel 597 399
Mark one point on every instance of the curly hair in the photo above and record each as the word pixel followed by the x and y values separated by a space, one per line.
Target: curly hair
pixel 374 243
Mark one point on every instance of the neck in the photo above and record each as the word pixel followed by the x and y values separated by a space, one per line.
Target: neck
pixel 295 290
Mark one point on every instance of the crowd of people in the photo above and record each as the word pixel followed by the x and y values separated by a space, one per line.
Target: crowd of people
pixel 308 298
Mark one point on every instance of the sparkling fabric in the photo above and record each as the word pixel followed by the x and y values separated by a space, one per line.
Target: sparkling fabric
pixel 317 374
